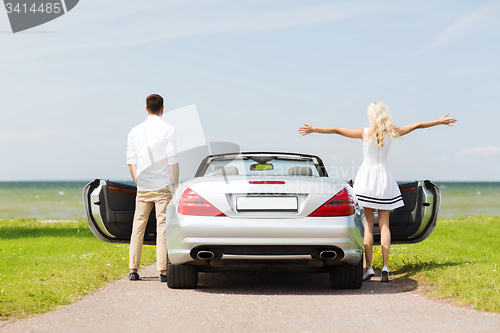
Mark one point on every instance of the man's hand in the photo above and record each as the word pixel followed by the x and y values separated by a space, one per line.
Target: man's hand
pixel 133 172
pixel 174 173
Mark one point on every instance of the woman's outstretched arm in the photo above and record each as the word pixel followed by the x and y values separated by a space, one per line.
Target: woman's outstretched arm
pixel 424 124
pixel 347 132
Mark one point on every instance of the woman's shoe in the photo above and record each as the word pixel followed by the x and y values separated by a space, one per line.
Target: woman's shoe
pixel 385 274
pixel 368 274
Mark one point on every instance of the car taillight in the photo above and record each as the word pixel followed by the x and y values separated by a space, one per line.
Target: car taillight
pixel 191 203
pixel 340 205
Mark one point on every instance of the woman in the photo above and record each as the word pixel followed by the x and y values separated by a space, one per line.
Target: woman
pixel 374 185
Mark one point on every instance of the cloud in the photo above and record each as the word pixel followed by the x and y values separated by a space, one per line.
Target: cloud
pixel 483 150
pixel 463 25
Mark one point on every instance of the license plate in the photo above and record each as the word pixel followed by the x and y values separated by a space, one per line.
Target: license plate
pixel 255 203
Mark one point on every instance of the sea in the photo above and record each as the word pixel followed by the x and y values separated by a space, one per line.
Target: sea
pixel 63 200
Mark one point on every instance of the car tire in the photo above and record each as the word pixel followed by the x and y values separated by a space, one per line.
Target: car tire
pixel 347 276
pixel 181 276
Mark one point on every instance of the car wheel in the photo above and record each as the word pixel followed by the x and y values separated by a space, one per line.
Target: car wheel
pixel 347 276
pixel 181 276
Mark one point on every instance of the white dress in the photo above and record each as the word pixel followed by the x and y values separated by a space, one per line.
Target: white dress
pixel 374 185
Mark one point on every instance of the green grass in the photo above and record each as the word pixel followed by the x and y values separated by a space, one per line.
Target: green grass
pixel 460 260
pixel 46 265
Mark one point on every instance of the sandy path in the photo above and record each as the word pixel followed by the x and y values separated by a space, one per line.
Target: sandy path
pixel 256 301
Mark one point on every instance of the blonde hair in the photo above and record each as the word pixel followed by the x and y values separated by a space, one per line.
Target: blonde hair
pixel 380 123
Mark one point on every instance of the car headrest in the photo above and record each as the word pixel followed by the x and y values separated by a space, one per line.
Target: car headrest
pixel 226 170
pixel 300 171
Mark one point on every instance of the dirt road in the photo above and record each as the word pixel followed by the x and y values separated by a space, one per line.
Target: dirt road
pixel 257 301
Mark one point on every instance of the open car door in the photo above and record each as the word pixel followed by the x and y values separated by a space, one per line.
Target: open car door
pixel 416 220
pixel 110 210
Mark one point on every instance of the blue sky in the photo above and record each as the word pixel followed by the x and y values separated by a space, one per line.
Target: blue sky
pixel 71 89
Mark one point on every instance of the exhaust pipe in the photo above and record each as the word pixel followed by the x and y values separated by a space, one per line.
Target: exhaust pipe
pixel 328 254
pixel 205 255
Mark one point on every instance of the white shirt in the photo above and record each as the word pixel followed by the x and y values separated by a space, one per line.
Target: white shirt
pixel 152 147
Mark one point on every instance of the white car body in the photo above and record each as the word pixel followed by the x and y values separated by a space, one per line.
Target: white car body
pixel 248 210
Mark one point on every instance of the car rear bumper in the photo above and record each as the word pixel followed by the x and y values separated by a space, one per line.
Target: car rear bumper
pixel 243 241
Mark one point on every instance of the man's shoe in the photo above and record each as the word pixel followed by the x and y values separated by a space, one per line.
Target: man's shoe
pixel 368 274
pixel 162 278
pixel 133 276
pixel 385 274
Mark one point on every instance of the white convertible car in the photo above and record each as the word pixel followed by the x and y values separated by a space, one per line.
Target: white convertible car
pixel 248 210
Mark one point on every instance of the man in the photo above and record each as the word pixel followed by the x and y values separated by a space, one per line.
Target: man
pixel 152 161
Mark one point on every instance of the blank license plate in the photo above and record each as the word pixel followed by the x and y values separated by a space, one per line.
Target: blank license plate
pixel 266 203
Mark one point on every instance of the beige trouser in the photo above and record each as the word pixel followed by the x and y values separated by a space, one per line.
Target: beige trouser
pixel 144 203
